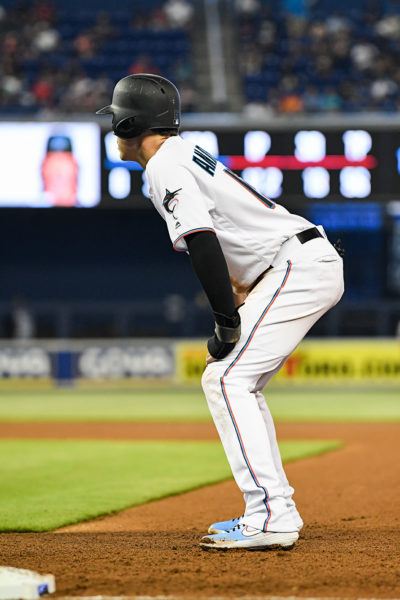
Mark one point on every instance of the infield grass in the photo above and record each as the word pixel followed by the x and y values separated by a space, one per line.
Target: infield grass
pixel 182 404
pixel 46 484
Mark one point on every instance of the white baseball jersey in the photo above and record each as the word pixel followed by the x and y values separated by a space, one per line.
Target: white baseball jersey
pixel 193 191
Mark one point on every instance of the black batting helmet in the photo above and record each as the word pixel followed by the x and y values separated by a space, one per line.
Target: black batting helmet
pixel 142 102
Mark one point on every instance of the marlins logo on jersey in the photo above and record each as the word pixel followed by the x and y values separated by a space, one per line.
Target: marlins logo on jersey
pixel 167 199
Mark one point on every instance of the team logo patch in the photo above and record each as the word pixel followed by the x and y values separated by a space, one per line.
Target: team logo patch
pixel 169 196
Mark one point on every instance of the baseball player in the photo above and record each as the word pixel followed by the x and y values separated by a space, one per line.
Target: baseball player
pixel 242 245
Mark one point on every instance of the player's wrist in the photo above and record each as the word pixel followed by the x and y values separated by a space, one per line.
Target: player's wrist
pixel 226 334
pixel 227 328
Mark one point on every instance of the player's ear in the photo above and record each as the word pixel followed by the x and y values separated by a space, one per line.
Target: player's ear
pixel 127 128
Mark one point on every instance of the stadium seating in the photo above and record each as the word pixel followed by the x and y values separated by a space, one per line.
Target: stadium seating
pixel 111 54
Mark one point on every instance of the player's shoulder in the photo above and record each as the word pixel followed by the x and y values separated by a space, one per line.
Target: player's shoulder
pixel 174 151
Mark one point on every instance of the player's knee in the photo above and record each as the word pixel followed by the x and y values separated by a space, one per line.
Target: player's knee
pixel 212 376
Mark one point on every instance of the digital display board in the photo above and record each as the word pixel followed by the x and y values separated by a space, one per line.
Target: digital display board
pixel 347 164
pixel 76 165
pixel 49 164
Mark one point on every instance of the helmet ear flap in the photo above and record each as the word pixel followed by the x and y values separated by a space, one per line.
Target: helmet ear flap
pixel 127 128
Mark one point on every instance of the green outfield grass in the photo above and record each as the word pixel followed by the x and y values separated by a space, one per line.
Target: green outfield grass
pixel 177 404
pixel 46 484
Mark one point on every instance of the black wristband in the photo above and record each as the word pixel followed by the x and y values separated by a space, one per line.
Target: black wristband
pixel 226 334
pixel 227 329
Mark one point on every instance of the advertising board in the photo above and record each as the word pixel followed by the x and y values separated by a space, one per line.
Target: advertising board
pixel 315 362
pixel 47 165
pixel 71 361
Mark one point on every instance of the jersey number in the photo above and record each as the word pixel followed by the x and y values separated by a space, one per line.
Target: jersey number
pixel 266 201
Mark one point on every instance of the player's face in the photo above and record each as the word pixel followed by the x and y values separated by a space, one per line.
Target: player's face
pixel 128 149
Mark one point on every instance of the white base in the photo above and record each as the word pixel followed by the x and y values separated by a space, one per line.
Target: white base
pixel 21 584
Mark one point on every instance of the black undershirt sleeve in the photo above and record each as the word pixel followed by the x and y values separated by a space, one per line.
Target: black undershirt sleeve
pixel 210 266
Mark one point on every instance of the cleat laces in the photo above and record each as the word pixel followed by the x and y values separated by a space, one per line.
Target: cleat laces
pixel 237 519
pixel 237 527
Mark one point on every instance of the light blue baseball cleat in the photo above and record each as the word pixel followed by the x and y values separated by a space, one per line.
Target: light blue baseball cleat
pixel 249 538
pixel 224 525
pixel 227 525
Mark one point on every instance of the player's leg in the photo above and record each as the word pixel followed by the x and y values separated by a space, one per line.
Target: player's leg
pixel 269 424
pixel 245 439
pixel 288 491
pixel 274 322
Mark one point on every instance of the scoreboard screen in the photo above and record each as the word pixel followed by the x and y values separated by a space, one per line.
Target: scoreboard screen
pixel 285 166
pixel 71 164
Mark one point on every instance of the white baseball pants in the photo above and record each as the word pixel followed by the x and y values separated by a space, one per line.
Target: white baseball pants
pixel 306 281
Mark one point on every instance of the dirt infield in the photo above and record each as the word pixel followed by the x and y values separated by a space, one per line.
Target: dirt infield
pixel 349 547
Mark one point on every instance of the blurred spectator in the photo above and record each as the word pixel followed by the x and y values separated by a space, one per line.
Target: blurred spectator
pixel 336 24
pixel 311 99
pixel 174 308
pixel 46 38
pixel 251 60
pixel 22 323
pixel 181 71
pixel 267 34
pixel 363 54
pixel 179 13
pixel 43 90
pixel 291 103
pixel 158 18
pixel 10 89
pixel 143 64
pixel 258 110
pixel 247 7
pixel 330 101
pixel 85 44
pixel 389 27
pixel 42 10
pixel 103 29
pixel 139 19
pixel 298 7
pixel 188 98
pixel 86 94
pixel 382 88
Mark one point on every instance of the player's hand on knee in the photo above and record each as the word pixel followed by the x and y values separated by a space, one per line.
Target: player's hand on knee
pixel 210 359
pixel 226 334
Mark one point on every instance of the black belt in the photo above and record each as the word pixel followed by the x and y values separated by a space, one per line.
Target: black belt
pixel 308 234
pixel 303 237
